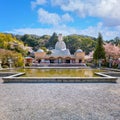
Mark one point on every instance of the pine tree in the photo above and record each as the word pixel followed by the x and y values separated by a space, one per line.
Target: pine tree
pixel 52 41
pixel 99 52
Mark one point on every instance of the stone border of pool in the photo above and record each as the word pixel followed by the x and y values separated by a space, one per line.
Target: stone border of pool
pixel 103 79
pixel 4 74
pixel 59 67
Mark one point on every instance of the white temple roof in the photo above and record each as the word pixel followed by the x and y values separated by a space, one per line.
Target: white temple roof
pixel 79 50
pixel 40 50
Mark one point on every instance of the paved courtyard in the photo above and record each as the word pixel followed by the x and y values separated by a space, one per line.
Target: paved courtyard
pixel 64 101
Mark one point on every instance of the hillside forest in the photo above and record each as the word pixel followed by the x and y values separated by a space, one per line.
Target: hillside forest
pixel 73 42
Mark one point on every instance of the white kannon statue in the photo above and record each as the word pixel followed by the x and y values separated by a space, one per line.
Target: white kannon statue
pixel 60 38
pixel 60 47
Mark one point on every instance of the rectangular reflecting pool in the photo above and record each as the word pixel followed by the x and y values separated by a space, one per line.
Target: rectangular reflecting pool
pixel 59 72
pixel 57 75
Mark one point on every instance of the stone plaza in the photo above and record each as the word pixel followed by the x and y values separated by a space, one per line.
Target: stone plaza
pixel 58 101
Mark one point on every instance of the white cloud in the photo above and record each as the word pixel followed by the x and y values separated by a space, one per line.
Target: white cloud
pixel 42 31
pixel 65 30
pixel 66 17
pixel 49 18
pixel 59 2
pixel 37 2
pixel 52 18
pixel 106 32
pixel 106 9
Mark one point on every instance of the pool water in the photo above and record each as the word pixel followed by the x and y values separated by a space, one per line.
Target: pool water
pixel 59 72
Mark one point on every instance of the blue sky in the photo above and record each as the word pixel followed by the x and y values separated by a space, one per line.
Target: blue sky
pixel 87 17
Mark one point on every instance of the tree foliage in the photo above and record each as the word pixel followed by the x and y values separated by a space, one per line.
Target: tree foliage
pixel 34 41
pixel 112 51
pixel 73 42
pixel 51 42
pixel 115 41
pixel 9 42
pixel 99 52
pixel 17 58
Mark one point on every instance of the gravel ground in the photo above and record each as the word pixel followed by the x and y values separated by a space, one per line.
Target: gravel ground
pixel 64 101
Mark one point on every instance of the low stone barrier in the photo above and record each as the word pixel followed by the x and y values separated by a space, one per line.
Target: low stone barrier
pixel 116 74
pixel 4 74
pixel 14 79
pixel 111 69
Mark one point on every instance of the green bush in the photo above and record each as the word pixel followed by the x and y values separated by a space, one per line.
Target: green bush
pixel 5 66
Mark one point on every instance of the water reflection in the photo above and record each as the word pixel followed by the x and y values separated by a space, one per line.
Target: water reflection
pixel 59 72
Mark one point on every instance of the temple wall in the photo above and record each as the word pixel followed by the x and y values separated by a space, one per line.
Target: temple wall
pixel 79 56
pixel 40 55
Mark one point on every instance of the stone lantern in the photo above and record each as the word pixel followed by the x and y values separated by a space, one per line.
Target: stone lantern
pixel 10 63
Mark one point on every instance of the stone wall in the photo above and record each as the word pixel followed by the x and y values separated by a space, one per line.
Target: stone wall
pixel 5 74
pixel 59 80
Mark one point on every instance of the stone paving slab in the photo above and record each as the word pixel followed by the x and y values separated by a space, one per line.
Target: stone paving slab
pixel 60 101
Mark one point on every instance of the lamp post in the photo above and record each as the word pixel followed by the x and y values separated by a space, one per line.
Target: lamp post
pixel 99 63
pixel 15 61
pixel 118 63
pixel 0 64
pixel 24 63
pixel 110 62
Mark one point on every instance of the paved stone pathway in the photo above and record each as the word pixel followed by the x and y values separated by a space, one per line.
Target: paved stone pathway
pixel 63 101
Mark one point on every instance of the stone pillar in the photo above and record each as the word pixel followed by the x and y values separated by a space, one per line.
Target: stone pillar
pixel 59 60
pixel 42 60
pixel 63 61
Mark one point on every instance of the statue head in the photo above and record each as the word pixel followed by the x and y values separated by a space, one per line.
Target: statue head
pixel 60 38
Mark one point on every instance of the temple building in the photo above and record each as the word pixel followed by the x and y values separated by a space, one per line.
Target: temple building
pixel 60 54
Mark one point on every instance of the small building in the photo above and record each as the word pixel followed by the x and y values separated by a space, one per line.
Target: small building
pixel 60 54
pixel 28 61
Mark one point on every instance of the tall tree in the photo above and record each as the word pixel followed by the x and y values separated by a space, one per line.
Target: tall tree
pixel 112 50
pixel 29 40
pixel 99 52
pixel 51 42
